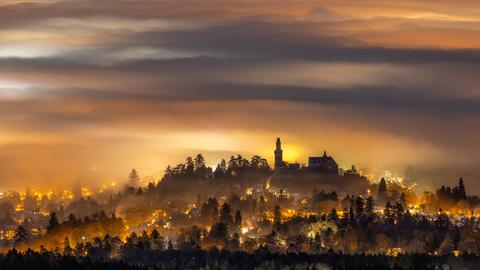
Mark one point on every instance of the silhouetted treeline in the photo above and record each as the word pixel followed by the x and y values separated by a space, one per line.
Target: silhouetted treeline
pixel 72 231
pixel 236 167
pixel 455 194
pixel 214 259
pixel 195 175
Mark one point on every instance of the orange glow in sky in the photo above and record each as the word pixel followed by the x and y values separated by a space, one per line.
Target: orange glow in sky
pixel 117 85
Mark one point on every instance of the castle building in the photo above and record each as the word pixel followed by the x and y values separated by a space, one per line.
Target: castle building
pixel 324 164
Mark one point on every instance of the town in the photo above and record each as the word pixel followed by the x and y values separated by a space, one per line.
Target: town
pixel 242 205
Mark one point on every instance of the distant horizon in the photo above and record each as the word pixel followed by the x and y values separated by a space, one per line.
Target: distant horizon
pixel 119 184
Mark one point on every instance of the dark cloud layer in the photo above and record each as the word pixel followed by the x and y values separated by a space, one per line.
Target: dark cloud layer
pixel 279 41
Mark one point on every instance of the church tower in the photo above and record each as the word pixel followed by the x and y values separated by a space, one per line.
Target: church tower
pixel 279 155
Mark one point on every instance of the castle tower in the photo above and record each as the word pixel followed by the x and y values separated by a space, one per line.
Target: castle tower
pixel 279 155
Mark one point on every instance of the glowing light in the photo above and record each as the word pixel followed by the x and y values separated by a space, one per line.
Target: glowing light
pixel 9 234
pixel 267 185
pixel 189 208
pixel 394 252
pixel 86 192
pixel 389 176
pixel 292 153
pixel 167 226
pixel 67 195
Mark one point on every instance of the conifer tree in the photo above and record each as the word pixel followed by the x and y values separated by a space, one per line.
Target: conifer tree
pixel 21 235
pixel 53 222
pixel 359 206
pixel 226 215
pixel 382 191
pixel 369 205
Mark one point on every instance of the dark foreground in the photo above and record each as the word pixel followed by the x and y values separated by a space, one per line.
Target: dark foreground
pixel 173 259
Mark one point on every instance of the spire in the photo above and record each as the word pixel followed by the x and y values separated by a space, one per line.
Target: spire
pixel 279 154
pixel 325 153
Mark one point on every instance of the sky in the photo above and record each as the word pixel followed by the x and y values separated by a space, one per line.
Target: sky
pixel 91 89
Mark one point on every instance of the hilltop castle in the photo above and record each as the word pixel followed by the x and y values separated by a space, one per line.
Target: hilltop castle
pixel 322 164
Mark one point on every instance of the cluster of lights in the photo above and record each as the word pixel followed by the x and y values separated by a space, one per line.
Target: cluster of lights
pixel 86 192
pixel 105 187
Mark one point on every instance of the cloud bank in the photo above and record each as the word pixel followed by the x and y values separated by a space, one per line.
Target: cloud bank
pixel 113 85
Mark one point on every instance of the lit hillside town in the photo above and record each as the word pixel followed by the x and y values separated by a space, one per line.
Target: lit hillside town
pixel 245 205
